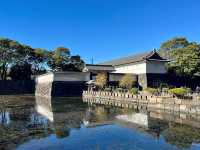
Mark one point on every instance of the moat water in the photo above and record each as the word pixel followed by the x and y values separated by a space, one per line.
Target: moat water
pixel 29 123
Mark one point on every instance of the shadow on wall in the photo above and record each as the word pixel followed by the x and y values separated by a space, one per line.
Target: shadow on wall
pixel 17 87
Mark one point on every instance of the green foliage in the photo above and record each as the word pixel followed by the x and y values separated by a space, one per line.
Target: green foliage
pixel 175 43
pixel 101 80
pixel 13 53
pixel 182 136
pixel 7 52
pixel 61 60
pixel 21 71
pixel 152 91
pixel 185 56
pixel 38 60
pixel 187 60
pixel 127 81
pixel 178 91
pixel 134 91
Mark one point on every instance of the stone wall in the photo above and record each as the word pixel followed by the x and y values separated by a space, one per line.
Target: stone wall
pixel 142 101
pixel 61 84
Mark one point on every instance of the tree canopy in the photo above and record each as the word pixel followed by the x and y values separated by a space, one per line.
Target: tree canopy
pixel 61 60
pixel 184 56
pixel 15 58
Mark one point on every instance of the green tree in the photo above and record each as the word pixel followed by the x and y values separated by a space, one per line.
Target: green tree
pixel 77 62
pixel 186 60
pixel 15 55
pixel 61 60
pixel 39 59
pixel 173 44
pixel 21 71
pixel 9 53
pixel 184 55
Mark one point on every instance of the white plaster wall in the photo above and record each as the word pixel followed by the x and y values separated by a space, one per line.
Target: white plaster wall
pixel 143 68
pixel 63 76
pixel 156 67
pixel 131 68
pixel 48 77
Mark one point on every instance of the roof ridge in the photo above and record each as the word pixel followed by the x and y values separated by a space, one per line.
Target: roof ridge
pixel 133 56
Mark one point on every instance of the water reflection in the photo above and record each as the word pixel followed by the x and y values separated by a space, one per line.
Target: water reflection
pixel 70 122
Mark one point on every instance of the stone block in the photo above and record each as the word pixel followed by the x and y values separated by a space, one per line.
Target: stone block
pixel 152 100
pixel 183 108
pixel 159 100
pixel 169 106
pixel 178 101
pixel 192 110
pixel 183 116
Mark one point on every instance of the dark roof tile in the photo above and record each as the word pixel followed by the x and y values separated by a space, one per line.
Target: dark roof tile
pixel 133 58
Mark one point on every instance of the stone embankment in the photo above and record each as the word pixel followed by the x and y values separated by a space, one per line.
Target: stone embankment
pixel 167 103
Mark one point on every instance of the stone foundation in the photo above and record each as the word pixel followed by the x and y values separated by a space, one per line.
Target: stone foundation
pixel 143 102
pixel 61 84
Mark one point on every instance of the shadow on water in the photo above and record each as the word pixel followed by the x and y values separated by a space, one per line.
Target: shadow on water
pixel 23 119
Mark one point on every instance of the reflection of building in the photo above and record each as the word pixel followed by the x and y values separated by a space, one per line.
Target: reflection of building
pixel 61 111
pixel 100 115
pixel 44 107
pixel 136 118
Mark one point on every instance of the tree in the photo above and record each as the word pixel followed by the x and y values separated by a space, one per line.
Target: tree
pixel 77 62
pixel 61 60
pixel 186 60
pixel 21 71
pixel 184 55
pixel 127 81
pixel 39 59
pixel 101 80
pixel 173 44
pixel 8 54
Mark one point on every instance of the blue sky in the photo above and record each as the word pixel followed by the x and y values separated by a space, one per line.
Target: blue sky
pixel 102 29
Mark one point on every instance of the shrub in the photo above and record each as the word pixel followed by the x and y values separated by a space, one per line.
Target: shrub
pixel 178 91
pixel 101 80
pixel 134 91
pixel 127 81
pixel 152 91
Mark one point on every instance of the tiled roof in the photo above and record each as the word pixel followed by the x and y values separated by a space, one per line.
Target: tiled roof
pixel 134 58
